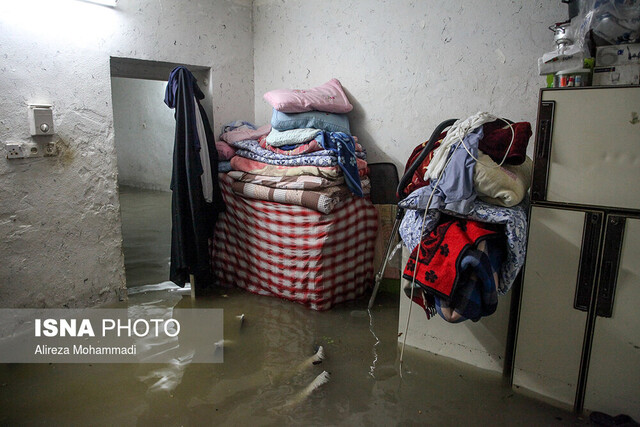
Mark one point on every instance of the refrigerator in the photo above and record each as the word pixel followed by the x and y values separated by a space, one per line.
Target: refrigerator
pixel 577 338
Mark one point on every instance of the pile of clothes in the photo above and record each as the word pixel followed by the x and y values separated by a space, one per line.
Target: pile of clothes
pixel 306 156
pixel 466 218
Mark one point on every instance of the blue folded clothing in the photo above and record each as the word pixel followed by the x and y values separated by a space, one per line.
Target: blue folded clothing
pixel 311 119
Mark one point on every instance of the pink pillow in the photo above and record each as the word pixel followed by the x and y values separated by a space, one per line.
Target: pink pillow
pixel 329 98
pixel 225 151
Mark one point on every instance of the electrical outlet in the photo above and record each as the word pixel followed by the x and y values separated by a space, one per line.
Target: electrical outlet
pixel 15 150
pixel 31 149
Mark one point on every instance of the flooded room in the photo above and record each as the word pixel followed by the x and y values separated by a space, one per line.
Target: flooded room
pixel 326 213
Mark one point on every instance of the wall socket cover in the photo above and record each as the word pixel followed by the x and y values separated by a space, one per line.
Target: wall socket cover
pixel 22 150
pixel 14 150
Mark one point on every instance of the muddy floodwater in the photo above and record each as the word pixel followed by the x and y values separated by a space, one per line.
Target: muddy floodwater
pixel 266 368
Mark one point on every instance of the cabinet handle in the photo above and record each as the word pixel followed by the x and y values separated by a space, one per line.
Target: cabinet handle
pixel 588 260
pixel 610 264
pixel 542 151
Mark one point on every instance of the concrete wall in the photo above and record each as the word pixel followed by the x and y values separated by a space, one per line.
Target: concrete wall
pixel 144 133
pixel 407 65
pixel 60 235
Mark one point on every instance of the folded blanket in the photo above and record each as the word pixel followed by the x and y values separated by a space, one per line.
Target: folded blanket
pixel 301 182
pixel 343 146
pixel 503 186
pixel 259 168
pixel 439 254
pixel 225 151
pixel 312 119
pixel 278 138
pixel 297 149
pixel 497 137
pixel 242 134
pixel 224 166
pixel 252 150
pixel 476 296
pixel 324 200
pixel 237 125
pixel 515 230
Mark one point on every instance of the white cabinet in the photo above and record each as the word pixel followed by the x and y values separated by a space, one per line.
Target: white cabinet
pixel 578 328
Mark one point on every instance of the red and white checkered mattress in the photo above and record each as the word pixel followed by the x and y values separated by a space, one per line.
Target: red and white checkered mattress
pixel 293 252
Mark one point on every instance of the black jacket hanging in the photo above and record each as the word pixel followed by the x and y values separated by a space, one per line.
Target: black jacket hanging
pixel 193 218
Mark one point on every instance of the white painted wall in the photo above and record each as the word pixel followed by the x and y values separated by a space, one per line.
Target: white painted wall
pixel 144 133
pixel 60 235
pixel 407 65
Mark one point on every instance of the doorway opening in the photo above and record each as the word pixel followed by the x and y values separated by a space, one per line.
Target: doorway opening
pixel 144 130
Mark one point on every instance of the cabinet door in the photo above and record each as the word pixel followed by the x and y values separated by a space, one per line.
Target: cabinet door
pixel 550 330
pixel 613 381
pixel 594 147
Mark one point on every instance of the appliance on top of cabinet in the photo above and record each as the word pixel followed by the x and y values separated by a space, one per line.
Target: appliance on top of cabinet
pixel 578 324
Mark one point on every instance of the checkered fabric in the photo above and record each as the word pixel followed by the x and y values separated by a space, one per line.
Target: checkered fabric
pixel 294 252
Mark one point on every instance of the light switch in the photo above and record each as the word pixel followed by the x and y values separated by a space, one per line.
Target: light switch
pixel 41 120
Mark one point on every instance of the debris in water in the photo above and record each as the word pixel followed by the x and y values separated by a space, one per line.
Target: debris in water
pixel 316 359
pixel 241 318
pixel 223 344
pixel 320 380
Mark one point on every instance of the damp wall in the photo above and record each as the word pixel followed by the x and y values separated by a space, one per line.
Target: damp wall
pixel 60 231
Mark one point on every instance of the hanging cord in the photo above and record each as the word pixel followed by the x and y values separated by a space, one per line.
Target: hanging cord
pixel 458 130
pixel 415 269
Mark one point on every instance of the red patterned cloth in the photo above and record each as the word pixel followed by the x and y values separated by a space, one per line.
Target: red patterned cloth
pixel 294 252
pixel 417 180
pixel 441 252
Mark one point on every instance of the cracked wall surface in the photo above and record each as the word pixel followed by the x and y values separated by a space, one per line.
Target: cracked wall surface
pixel 60 232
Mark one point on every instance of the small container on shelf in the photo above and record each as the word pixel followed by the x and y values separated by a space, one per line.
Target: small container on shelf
pixel 576 77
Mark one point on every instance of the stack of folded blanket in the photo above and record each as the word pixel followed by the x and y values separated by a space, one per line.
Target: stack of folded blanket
pixel 297 224
pixel 306 156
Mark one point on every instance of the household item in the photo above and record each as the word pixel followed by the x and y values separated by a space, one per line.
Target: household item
pixel 577 328
pixel 576 77
pixel 621 54
pixel 562 35
pixel 404 181
pixel 196 199
pixel 618 75
pixel 384 181
pixel 293 252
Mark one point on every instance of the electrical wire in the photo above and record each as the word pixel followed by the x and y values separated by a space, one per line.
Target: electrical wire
pixel 506 153
pixel 415 270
